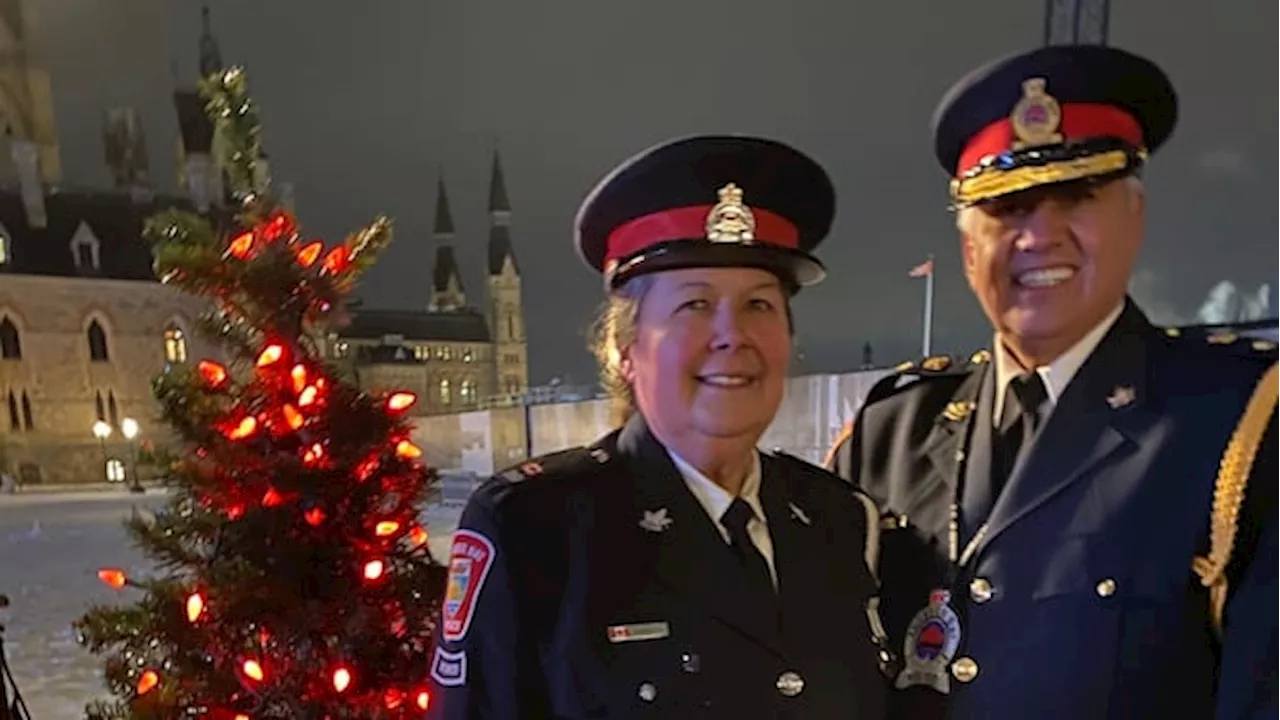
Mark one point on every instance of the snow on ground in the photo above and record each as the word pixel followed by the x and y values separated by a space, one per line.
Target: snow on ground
pixel 51 547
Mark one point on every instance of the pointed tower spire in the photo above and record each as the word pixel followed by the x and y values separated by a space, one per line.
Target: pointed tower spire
pixel 500 250
pixel 210 53
pixel 444 219
pixel 446 282
pixel 498 202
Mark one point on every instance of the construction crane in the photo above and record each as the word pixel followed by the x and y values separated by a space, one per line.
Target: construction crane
pixel 1076 22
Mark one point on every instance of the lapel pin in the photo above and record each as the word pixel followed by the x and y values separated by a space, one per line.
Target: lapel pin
pixel 958 410
pixel 798 514
pixel 655 520
pixel 1121 396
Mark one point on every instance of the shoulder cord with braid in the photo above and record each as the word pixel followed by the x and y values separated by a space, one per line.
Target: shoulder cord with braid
pixel 1229 491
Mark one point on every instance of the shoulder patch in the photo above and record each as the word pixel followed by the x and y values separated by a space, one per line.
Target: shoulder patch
pixel 470 560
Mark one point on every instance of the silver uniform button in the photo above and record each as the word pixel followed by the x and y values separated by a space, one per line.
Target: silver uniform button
pixel 648 691
pixel 980 590
pixel 1106 587
pixel 790 683
pixel 965 669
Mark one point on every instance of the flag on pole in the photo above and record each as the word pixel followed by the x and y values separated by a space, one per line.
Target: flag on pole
pixel 924 269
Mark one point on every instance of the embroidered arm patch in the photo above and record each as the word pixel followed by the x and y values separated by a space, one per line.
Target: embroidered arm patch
pixel 470 559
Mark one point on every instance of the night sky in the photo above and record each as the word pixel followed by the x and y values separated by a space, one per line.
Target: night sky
pixel 364 110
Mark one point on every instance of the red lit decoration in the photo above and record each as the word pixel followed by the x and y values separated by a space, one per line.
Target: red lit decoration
pixel 373 570
pixel 423 699
pixel 308 255
pixel 195 606
pixel 243 429
pixel 341 679
pixel 147 682
pixel 253 670
pixel 336 261
pixel 314 516
pixel 299 375
pixel 408 450
pixel 270 355
pixel 113 577
pixel 213 373
pixel 292 416
pixel 242 245
pixel 401 401
pixel 386 527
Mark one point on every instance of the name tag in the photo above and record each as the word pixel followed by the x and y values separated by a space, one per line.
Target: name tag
pixel 638 631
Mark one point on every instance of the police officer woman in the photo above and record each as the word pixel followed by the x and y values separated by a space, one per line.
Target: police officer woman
pixel 673 570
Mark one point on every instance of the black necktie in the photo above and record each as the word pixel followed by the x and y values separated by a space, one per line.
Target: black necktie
pixel 1024 405
pixel 755 568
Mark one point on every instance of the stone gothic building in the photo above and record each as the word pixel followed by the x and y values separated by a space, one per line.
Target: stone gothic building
pixel 85 326
pixel 455 356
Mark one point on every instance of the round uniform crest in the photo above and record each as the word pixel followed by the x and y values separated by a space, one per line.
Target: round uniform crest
pixel 931 641
pixel 1036 117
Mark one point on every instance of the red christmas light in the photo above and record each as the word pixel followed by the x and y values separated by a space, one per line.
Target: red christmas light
pixel 401 401
pixel 276 227
pixel 392 698
pixel 147 682
pixel 308 255
pixel 418 536
pixel 299 375
pixel 314 454
pixel 408 450
pixel 272 498
pixel 271 354
pixel 314 516
pixel 114 577
pixel 243 429
pixel 423 699
pixel 253 670
pixel 366 468
pixel 195 606
pixel 336 261
pixel 214 374
pixel 373 570
pixel 292 416
pixel 386 527
pixel 341 679
pixel 308 396
pixel 242 245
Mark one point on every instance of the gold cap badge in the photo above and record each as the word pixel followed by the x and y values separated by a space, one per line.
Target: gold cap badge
pixel 1036 117
pixel 730 220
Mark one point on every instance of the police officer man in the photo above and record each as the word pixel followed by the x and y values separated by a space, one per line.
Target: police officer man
pixel 1065 532
pixel 672 570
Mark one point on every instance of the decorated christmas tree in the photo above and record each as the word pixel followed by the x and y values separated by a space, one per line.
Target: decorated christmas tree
pixel 293 578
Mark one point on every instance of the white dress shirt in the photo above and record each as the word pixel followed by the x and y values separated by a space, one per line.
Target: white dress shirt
pixel 715 500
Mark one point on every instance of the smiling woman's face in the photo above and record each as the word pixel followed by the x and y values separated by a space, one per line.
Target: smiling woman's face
pixel 711 352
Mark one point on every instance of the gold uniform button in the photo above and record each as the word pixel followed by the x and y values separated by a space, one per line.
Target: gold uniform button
pixel 965 669
pixel 980 590
pixel 1106 587
pixel 790 684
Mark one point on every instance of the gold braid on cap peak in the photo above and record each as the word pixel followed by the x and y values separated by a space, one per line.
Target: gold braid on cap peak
pixel 1229 491
pixel 991 181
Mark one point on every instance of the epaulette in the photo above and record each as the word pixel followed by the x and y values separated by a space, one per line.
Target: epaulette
pixel 560 464
pixel 1229 343
pixel 935 366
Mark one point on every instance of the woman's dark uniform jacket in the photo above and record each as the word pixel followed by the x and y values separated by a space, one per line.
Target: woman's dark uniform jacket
pixel 609 593
pixel 1081 601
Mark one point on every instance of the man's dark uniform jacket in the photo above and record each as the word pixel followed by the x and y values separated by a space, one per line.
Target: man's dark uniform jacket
pixel 1080 599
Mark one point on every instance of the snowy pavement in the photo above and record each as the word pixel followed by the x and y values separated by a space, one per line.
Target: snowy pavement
pixel 51 547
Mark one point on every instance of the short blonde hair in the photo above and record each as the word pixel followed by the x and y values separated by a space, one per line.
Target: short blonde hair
pixel 614 329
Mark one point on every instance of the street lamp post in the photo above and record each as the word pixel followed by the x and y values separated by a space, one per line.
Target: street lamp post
pixel 102 431
pixel 129 428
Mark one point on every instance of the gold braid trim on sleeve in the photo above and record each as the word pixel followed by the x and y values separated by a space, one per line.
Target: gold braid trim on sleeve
pixel 1229 490
pixel 845 433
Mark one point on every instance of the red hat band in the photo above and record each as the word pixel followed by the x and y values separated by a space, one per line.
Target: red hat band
pixel 728 221
pixel 1035 124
